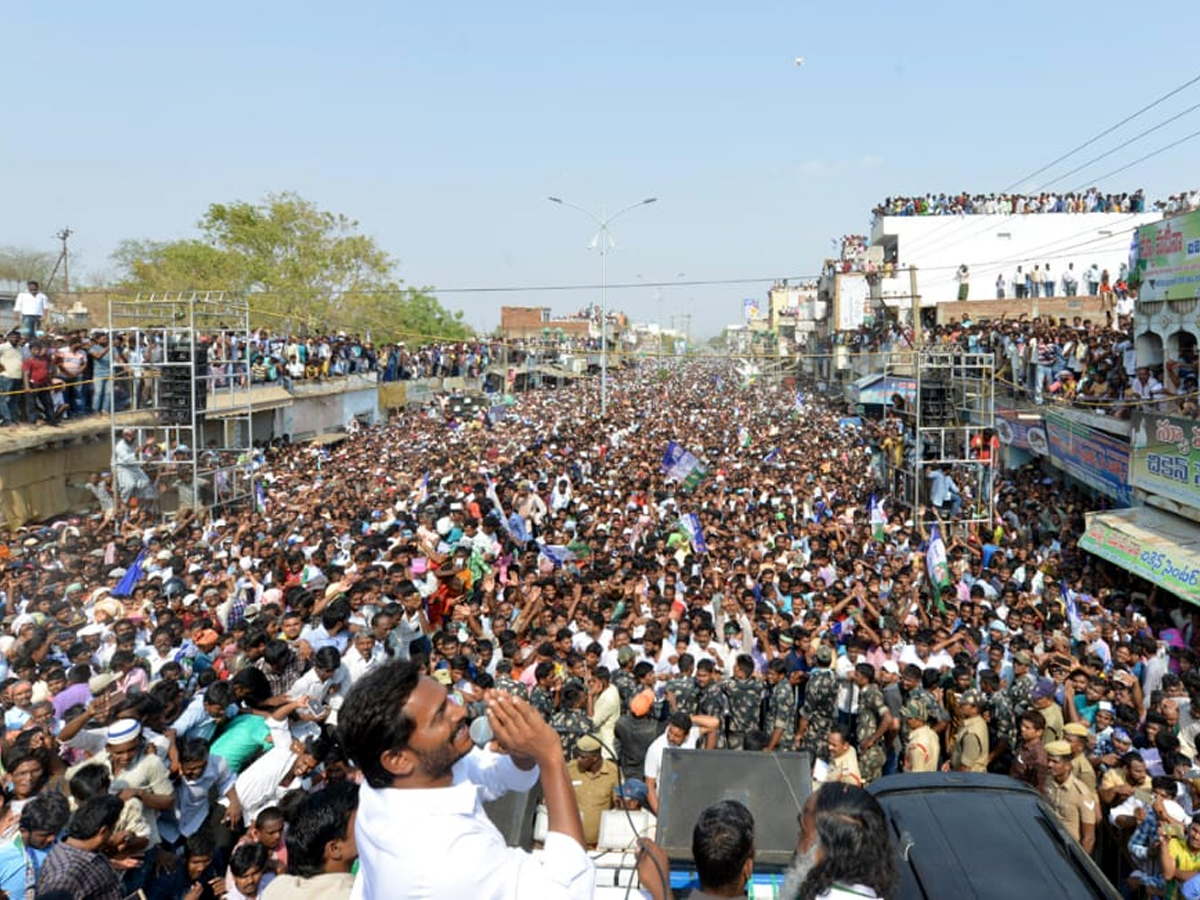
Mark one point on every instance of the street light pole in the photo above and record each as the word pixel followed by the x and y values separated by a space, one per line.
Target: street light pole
pixel 602 236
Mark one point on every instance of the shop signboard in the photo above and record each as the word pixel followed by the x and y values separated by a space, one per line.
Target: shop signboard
pixel 1165 456
pixel 1158 560
pixel 1089 455
pixel 1167 258
pixel 1021 432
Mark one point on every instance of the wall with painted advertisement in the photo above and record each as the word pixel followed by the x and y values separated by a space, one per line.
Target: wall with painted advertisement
pixel 1165 456
pixel 1090 456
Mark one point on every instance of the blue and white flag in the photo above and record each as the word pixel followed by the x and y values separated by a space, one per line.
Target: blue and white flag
pixel 260 498
pixel 937 565
pixel 799 400
pixel 682 466
pixel 878 518
pixel 1072 607
pixel 131 577
pixel 517 528
pixel 556 553
pixel 423 490
pixel 772 455
pixel 691 524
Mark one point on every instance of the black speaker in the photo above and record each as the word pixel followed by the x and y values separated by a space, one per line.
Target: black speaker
pixel 934 403
pixel 175 384
pixel 514 815
pixel 773 786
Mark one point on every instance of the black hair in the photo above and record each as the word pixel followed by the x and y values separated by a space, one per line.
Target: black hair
pixel 47 812
pixel 681 720
pixel 327 658
pixel 321 818
pixel 193 750
pixel 722 841
pixel 246 858
pixel 277 653
pixel 89 781
pixel 219 693
pixel 853 831
pixel 256 685
pixel 373 720
pixel 94 814
pixel 201 844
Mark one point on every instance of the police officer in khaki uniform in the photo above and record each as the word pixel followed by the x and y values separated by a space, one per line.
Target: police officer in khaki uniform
pixel 1076 734
pixel 594 779
pixel 1074 804
pixel 969 752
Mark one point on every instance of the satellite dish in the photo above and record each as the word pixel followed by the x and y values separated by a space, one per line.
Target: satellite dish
pixel 799 60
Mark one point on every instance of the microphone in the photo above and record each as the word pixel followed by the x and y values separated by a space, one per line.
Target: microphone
pixel 481 731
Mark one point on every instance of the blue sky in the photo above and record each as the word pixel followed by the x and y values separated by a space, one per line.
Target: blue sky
pixel 443 128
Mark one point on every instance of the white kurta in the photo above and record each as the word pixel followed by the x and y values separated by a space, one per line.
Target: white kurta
pixel 439 842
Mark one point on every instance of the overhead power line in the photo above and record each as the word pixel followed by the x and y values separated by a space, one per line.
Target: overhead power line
pixel 1107 131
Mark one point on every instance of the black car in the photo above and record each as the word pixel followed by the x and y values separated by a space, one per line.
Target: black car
pixel 983 836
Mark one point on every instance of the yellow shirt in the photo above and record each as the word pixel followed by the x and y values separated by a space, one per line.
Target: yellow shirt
pixel 1185 861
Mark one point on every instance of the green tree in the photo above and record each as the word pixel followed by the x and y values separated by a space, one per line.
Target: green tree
pixel 302 268
pixel 21 264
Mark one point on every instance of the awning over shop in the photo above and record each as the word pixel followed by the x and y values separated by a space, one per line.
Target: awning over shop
pixel 1156 545
pixel 223 404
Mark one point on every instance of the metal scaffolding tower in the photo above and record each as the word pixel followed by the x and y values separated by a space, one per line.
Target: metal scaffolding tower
pixel 184 392
pixel 948 432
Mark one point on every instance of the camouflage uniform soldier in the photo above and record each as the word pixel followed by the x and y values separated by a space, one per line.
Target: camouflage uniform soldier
pixel 541 697
pixel 1021 693
pixel 780 720
pixel 713 701
pixel 820 706
pixel 623 679
pixel 915 693
pixel 874 720
pixel 1002 724
pixel 571 722
pixel 681 691
pixel 745 696
pixel 505 682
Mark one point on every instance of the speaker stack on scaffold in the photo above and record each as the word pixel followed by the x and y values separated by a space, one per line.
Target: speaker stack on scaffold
pixel 181 371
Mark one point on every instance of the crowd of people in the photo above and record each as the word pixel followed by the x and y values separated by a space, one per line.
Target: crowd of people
pixel 1089 201
pixel 181 697
pixel 1078 361
pixel 47 376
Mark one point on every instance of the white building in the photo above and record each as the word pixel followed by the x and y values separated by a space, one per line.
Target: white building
pixel 992 245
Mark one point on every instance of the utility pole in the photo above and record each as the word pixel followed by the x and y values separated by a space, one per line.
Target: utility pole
pixel 916 305
pixel 64 236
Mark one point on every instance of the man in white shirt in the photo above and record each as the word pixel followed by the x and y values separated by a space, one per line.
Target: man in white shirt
pixel 421 829
pixel 683 733
pixel 29 308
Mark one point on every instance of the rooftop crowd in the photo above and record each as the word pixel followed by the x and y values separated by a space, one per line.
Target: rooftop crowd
pixel 172 690
pixel 1089 201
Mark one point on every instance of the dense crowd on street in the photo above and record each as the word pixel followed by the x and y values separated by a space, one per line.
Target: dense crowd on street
pixel 172 690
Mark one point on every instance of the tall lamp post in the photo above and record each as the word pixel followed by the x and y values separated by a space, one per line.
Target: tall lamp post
pixel 603 239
